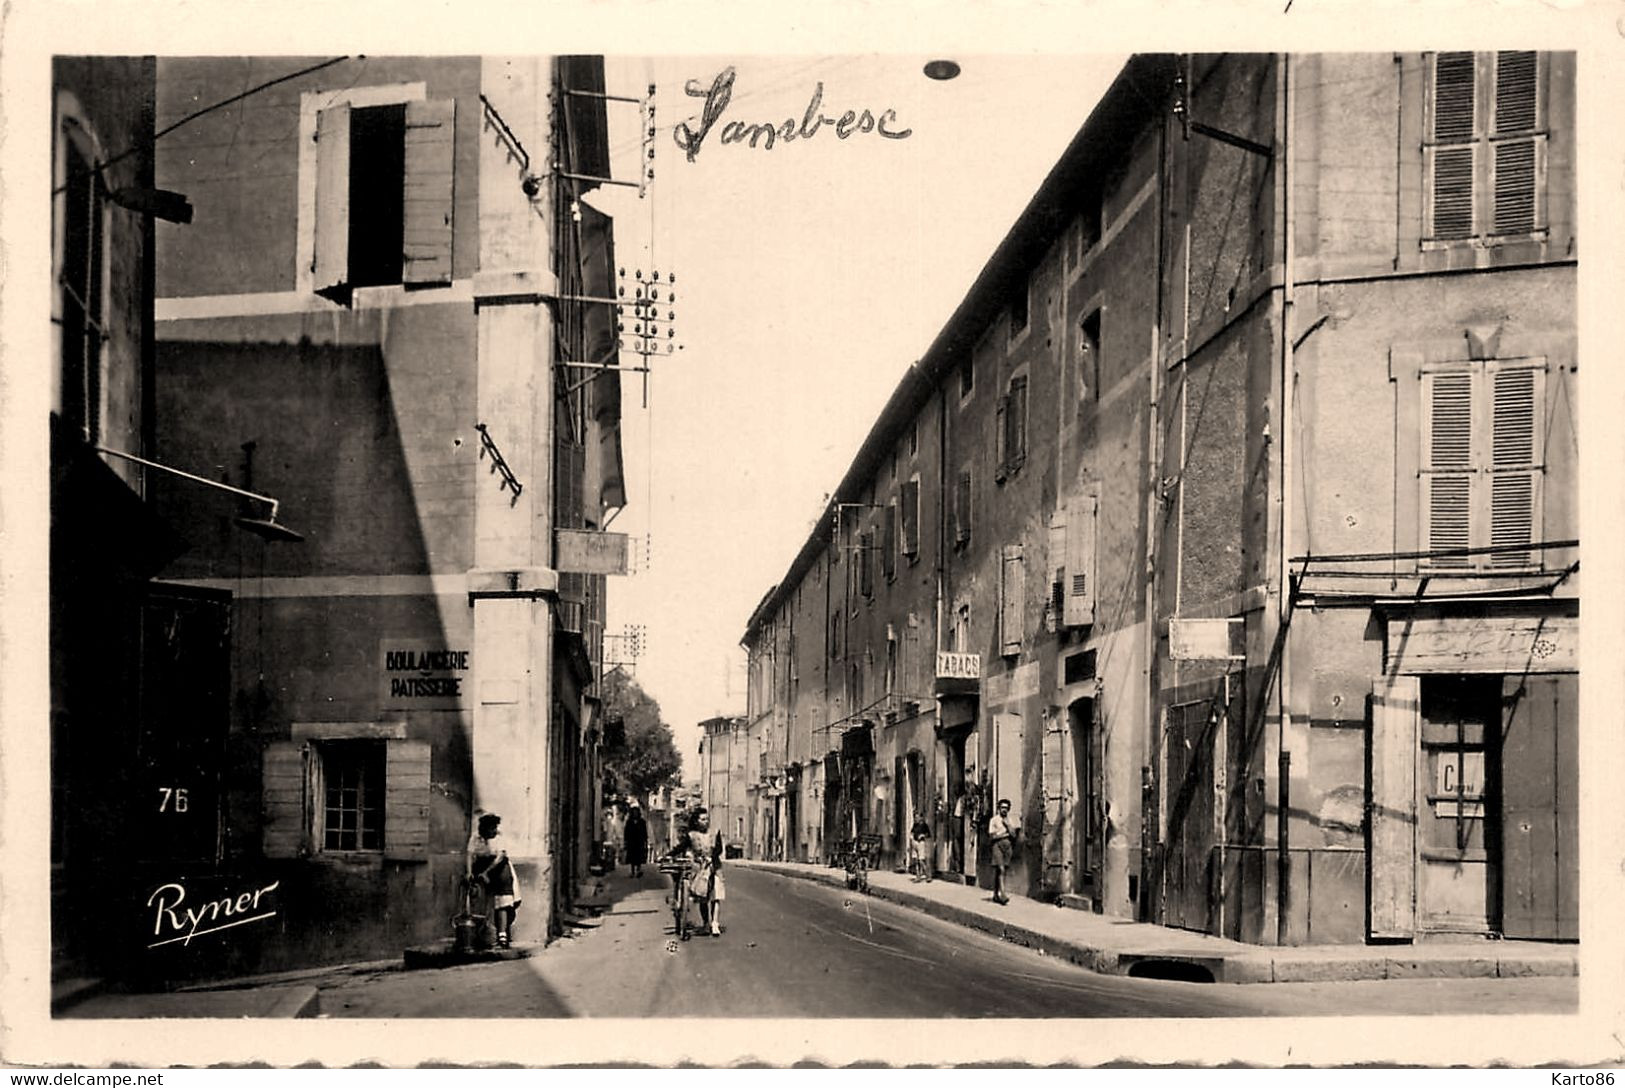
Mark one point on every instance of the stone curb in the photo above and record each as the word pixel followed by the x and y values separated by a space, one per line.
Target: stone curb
pixel 1248 967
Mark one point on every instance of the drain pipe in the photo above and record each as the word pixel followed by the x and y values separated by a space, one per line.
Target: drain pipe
pixel 1283 602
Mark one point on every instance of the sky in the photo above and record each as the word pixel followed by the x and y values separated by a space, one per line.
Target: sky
pixel 809 276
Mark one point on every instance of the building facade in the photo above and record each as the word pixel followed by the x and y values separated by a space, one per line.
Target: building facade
pixel 1227 529
pixel 366 331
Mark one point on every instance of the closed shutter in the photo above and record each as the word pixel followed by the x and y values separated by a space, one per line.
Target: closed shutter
pixel 911 518
pixel 962 519
pixel 1447 463
pixel 1452 164
pixel 1454 87
pixel 1518 165
pixel 1079 602
pixel 569 468
pixel 1057 803
pixel 283 799
pixel 1012 597
pixel 406 800
pixel 1515 469
pixel 332 256
pixel 426 255
pixel 1516 92
pixel 1453 172
pixel 1391 812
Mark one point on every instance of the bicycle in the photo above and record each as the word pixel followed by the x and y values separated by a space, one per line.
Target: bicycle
pixel 682 871
pixel 861 856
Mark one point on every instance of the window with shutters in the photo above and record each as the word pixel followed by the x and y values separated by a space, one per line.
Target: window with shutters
pixel 1485 147
pixel 865 557
pixel 1012 427
pixel 383 184
pixel 1481 463
pixel 911 517
pixel 346 795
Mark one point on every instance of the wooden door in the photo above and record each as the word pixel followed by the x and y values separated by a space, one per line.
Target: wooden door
pixel 1539 867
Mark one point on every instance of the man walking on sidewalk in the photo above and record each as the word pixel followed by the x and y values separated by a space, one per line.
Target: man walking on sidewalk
pixel 1001 834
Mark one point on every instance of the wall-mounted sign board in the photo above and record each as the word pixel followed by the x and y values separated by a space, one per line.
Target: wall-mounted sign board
pixel 581 551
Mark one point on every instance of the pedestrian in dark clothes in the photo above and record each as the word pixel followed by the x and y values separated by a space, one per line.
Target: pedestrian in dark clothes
pixel 636 839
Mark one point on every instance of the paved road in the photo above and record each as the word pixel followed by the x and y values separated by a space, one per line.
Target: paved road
pixel 797 949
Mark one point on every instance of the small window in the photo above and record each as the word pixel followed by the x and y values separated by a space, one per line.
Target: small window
pixel 1018 307
pixel 352 795
pixel 888 542
pixel 967 377
pixel 1089 359
pixel 914 440
pixel 962 511
pixel 1091 221
pixel 866 551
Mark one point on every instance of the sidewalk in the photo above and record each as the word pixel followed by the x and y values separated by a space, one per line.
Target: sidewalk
pixel 1117 946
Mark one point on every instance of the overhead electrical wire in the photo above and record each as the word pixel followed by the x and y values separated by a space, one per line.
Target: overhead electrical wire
pixel 167 129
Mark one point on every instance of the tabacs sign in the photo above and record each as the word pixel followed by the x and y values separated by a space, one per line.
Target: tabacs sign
pixel 956 666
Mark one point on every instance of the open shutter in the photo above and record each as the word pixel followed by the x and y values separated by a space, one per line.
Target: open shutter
pixel 1447 464
pixel 1079 603
pixel 1391 809
pixel 866 551
pixel 426 256
pixel 911 517
pixel 962 509
pixel 1515 471
pixel 1018 417
pixel 888 541
pixel 283 799
pixel 406 800
pixel 1001 434
pixel 332 267
pixel 1012 597
pixel 1007 761
pixel 1057 802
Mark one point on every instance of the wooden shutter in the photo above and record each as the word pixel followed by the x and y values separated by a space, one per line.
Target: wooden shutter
pixel 406 800
pixel 1078 607
pixel 1057 802
pixel 1519 163
pixel 1012 598
pixel 1517 98
pixel 426 252
pixel 569 470
pixel 866 550
pixel 1447 463
pixel 1515 469
pixel 1454 97
pixel 962 520
pixel 332 257
pixel 284 797
pixel 1007 761
pixel 1453 170
pixel 1001 433
pixel 1391 812
pixel 911 517
pixel 888 541
pixel 1018 417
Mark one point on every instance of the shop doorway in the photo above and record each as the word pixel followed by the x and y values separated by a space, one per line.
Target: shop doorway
pixel 1458 777
pixel 959 821
pixel 1089 799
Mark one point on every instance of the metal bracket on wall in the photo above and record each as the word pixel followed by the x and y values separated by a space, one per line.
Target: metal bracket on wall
pixel 498 464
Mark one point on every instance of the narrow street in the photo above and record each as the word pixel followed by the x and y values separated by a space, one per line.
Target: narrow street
pixel 796 949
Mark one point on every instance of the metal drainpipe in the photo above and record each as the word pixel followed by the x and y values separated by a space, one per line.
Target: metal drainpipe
pixel 1283 597
pixel 1152 505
